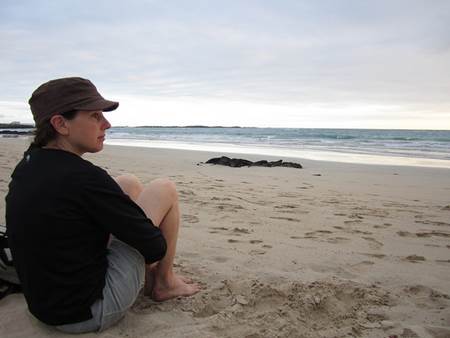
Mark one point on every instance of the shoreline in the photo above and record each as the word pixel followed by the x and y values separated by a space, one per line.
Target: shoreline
pixel 318 155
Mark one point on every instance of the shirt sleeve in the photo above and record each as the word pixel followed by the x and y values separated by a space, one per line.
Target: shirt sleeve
pixel 109 207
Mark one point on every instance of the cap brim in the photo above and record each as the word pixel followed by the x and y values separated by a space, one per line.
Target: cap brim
pixel 99 104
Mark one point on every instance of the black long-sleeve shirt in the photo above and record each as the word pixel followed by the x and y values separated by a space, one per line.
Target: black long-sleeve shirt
pixel 60 211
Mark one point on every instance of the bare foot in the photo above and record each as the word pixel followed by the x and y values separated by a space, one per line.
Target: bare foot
pixel 164 290
pixel 185 279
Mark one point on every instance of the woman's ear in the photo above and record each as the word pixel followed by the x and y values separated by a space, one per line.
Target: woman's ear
pixel 60 124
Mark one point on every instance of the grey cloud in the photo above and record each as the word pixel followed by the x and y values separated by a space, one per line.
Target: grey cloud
pixel 296 51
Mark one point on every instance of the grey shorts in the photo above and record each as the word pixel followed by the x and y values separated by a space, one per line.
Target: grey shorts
pixel 124 279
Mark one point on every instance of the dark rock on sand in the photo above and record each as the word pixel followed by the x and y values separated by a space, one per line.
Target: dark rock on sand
pixel 238 162
pixel 231 162
pixel 291 165
pixel 262 163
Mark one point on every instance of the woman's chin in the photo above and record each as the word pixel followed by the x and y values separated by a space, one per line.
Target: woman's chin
pixel 95 149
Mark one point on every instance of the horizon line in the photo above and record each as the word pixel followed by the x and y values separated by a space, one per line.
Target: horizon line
pixel 30 125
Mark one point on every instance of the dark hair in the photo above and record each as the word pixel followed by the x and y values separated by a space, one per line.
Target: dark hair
pixel 45 132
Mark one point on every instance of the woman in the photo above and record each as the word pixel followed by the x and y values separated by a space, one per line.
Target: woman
pixel 83 242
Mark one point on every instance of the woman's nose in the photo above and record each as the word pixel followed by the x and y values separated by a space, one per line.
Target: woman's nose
pixel 106 124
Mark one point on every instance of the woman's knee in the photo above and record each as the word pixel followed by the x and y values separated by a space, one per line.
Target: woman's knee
pixel 157 198
pixel 165 186
pixel 130 185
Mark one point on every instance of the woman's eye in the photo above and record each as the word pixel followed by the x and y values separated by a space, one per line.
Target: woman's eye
pixel 96 116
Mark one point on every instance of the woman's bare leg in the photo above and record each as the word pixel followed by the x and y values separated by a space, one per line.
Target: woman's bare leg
pixel 159 200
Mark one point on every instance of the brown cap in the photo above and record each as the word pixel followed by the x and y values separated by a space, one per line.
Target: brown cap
pixel 66 94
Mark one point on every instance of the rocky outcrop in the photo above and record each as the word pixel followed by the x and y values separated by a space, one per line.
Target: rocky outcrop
pixel 239 162
pixel 15 132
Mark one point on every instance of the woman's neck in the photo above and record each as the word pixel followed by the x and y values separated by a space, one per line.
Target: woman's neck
pixel 61 145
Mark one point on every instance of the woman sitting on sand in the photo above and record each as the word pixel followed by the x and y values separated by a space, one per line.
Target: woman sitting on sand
pixel 82 242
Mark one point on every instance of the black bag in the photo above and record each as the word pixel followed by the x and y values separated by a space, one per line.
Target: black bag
pixel 9 280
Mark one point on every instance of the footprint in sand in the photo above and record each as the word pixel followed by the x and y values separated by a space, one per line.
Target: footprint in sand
pixel 432 233
pixel 288 194
pixel 230 207
pixel 257 252
pixel 235 231
pixel 286 211
pixel 305 187
pixel 290 219
pixel 219 228
pixel 286 206
pixel 241 230
pixel 425 297
pixel 362 265
pixel 337 240
pixel 379 256
pixel 322 235
pixel 424 291
pixel 373 243
pixel 255 241
pixel 190 218
pixel 384 226
pixel 318 232
pixel 381 213
pixel 220 259
pixel 186 192
pixel 414 258
pixel 405 234
pixel 353 221
pixel 360 232
pixel 356 216
pixel 437 223
pixel 309 235
pixel 220 199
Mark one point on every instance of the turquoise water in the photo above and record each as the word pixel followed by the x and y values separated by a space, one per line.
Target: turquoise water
pixel 397 145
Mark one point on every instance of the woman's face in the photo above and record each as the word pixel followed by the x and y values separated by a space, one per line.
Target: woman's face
pixel 87 131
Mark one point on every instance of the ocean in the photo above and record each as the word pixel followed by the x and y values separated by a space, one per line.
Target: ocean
pixel 393 147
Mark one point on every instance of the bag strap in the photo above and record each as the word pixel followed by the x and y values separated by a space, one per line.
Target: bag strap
pixel 8 273
pixel 5 251
pixel 8 288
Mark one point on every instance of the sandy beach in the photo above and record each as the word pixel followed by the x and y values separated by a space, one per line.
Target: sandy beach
pixel 331 250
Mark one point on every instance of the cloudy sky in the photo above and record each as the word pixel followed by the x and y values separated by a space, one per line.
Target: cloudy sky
pixel 324 64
